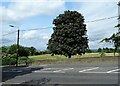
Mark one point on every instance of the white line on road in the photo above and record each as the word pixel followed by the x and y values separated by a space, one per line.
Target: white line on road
pixel 13 71
pixel 63 69
pixel 113 70
pixel 101 72
pixel 47 69
pixel 68 69
pixel 94 72
pixel 89 69
pixel 47 72
pixel 57 71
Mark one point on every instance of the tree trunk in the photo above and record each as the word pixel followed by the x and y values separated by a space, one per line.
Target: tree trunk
pixel 52 54
pixel 69 56
pixel 26 62
pixel 115 50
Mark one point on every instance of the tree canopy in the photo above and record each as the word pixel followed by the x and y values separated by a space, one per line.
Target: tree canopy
pixel 69 36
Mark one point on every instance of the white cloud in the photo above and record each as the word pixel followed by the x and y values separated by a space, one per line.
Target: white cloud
pixel 38 39
pixel 96 44
pixel 19 10
pixel 35 35
pixel 29 35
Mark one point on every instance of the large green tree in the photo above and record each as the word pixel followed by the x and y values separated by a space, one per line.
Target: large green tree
pixel 69 36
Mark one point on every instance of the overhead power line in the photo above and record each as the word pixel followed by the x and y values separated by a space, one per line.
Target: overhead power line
pixel 52 27
pixel 9 33
pixel 5 42
pixel 85 22
pixel 37 29
pixel 102 19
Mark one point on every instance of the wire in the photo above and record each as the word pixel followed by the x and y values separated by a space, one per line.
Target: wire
pixel 8 33
pixel 37 29
pixel 85 22
pixel 6 42
pixel 52 27
pixel 101 19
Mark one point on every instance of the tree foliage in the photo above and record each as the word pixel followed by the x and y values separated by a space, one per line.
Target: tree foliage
pixel 22 50
pixel 69 37
pixel 9 55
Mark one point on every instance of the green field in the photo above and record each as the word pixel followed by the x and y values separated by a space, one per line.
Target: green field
pixel 58 57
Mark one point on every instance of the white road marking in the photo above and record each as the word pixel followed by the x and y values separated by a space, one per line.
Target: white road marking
pixel 12 71
pixel 1 83
pixel 63 69
pixel 11 83
pixel 47 69
pixel 89 69
pixel 57 70
pixel 101 72
pixel 68 69
pixel 47 72
pixel 94 72
pixel 113 70
pixel 42 71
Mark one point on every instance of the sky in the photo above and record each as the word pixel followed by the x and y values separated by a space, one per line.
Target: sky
pixel 39 14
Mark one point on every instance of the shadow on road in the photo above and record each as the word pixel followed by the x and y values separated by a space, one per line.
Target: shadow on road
pixel 63 85
pixel 11 72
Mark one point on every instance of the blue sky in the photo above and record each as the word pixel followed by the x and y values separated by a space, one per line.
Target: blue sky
pixel 31 14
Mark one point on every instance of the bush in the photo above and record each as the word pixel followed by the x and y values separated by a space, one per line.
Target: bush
pixel 23 60
pixel 30 60
pixel 102 54
pixel 8 61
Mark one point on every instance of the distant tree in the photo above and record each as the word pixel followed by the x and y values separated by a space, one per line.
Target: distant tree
pixel 99 50
pixel 4 49
pixel 69 37
pixel 33 50
pixel 89 51
pixel 22 50
pixel 12 49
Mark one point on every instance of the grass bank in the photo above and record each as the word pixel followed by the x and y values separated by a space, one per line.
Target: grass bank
pixel 59 57
pixel 86 58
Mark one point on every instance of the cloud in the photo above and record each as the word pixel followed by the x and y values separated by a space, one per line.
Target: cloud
pixel 19 10
pixel 96 44
pixel 36 35
pixel 30 34
pixel 38 39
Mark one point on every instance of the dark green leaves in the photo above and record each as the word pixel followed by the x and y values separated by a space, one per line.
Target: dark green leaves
pixel 69 37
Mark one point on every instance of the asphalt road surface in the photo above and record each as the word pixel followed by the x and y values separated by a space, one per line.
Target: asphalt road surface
pixel 97 73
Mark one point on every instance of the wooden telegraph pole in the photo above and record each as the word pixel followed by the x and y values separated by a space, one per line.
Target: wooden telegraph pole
pixel 17 47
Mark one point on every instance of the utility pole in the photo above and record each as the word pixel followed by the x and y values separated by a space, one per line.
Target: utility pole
pixel 118 17
pixel 17 48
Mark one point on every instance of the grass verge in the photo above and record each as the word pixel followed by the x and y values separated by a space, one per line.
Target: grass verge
pixel 87 58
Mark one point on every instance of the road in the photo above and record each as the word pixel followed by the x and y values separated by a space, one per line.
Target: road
pixel 97 73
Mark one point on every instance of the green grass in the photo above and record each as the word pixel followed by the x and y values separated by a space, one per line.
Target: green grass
pixel 61 59
pixel 47 56
pixel 58 57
